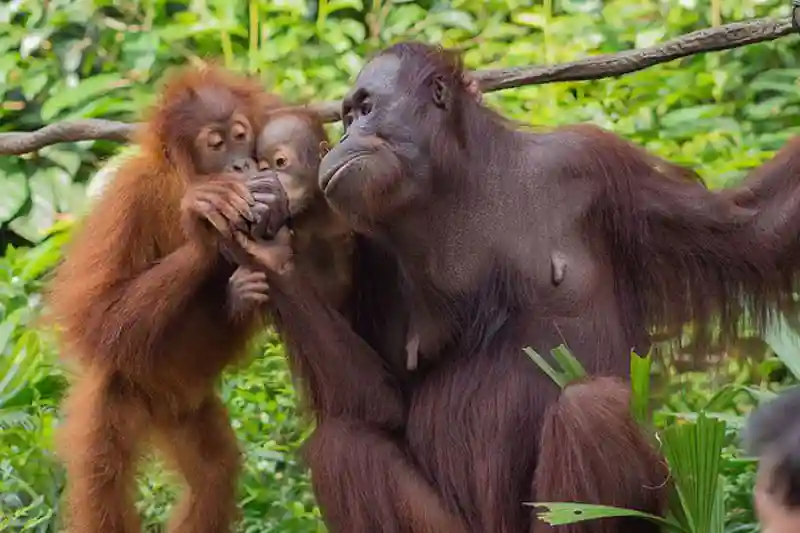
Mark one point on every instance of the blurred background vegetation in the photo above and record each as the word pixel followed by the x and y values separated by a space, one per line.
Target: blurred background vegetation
pixel 722 113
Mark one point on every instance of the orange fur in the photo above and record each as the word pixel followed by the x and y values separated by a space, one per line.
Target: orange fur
pixel 142 309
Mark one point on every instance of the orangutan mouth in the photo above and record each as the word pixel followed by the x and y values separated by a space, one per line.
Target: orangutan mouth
pixel 329 181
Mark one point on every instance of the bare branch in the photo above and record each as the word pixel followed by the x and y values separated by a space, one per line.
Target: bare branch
pixel 591 68
pixel 67 131
pixel 724 37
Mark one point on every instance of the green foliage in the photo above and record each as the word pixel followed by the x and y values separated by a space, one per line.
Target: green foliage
pixel 693 447
pixel 694 453
pixel 59 59
pixel 559 514
pixel 274 488
pixel 571 368
pixel 30 389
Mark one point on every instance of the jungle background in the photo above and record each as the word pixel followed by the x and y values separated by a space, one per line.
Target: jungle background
pixel 721 113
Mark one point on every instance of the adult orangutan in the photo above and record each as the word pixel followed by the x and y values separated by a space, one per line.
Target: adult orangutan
pixel 153 311
pixel 489 239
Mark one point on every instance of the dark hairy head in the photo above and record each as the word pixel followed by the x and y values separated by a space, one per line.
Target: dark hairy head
pixel 406 121
pixel 204 119
pixel 292 144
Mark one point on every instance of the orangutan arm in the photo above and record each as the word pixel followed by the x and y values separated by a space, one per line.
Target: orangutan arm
pixel 116 294
pixel 685 253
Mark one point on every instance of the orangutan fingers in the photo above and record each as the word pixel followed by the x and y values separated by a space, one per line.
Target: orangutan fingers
pixel 255 287
pixel 256 297
pixel 242 191
pixel 249 291
pixel 234 206
pixel 237 214
pixel 252 277
pixel 235 187
pixel 269 255
pixel 219 222
pixel 232 216
pixel 242 207
pixel 225 192
pixel 265 198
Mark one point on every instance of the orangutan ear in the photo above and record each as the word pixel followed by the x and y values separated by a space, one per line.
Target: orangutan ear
pixel 324 148
pixel 441 93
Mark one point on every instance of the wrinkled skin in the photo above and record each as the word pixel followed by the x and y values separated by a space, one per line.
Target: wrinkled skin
pixel 379 165
pixel 506 238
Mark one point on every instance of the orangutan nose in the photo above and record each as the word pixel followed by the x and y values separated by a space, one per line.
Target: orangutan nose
pixel 241 166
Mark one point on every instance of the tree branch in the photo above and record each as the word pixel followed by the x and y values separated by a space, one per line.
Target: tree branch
pixel 67 131
pixel 591 68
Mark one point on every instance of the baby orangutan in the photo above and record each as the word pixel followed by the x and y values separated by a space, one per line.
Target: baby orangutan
pixel 290 147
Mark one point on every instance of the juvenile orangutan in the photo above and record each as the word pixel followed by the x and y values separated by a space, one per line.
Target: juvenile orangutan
pixel 152 310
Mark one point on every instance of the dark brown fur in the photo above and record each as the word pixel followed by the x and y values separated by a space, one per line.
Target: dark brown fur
pixel 322 240
pixel 360 411
pixel 142 300
pixel 480 239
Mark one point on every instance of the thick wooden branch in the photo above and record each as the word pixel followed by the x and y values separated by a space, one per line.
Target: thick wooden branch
pixel 603 66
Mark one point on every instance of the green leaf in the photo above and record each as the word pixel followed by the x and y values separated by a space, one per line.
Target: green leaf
pixel 640 387
pixel 33 84
pixel 179 32
pixel 44 185
pixel 453 18
pixel 725 397
pixel 573 369
pixel 41 259
pixel 529 18
pixel 337 5
pixel 17 368
pixel 32 41
pixel 784 339
pixel 554 374
pixel 559 514
pixel 14 188
pixel 693 451
pixel 7 328
pixel 688 115
pixel 64 98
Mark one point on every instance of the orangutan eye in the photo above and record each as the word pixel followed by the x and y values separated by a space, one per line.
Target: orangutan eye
pixel 280 162
pixel 347 120
pixel 239 132
pixel 215 141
